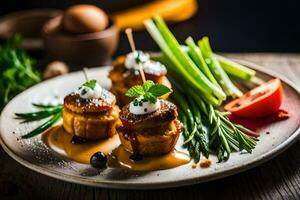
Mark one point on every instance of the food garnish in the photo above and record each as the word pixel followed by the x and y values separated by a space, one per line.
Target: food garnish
pixel 133 59
pixel 261 101
pixel 98 160
pixel 17 70
pixel 148 90
pixel 46 111
pixel 204 84
pixel 89 90
pixel 147 97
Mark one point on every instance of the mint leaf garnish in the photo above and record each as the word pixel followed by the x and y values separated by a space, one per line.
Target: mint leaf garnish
pixel 148 90
pixel 159 90
pixel 91 84
pixel 147 85
pixel 135 91
pixel 150 97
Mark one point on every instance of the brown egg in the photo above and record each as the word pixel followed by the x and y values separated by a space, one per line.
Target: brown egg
pixel 84 19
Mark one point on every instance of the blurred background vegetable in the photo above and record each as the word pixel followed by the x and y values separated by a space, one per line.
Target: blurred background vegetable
pixel 17 70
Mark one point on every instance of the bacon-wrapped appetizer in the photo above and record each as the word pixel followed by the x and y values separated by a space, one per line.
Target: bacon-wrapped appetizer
pixel 149 125
pixel 90 112
pixel 125 74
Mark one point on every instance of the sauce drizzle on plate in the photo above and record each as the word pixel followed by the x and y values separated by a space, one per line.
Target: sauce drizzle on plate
pixel 61 142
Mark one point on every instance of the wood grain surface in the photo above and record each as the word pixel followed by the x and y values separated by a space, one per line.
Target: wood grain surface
pixel 278 178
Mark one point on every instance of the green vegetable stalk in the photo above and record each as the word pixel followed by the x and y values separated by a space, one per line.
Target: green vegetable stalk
pixel 198 58
pixel 181 63
pixel 235 69
pixel 229 88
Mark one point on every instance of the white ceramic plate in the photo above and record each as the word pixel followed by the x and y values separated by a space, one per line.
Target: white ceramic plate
pixel 34 154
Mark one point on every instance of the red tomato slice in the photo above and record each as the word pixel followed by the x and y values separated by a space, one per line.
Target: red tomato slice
pixel 259 102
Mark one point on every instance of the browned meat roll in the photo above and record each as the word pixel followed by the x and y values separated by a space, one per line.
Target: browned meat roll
pixel 123 78
pixel 150 134
pixel 94 118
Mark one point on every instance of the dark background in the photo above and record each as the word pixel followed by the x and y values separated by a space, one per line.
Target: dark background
pixel 233 25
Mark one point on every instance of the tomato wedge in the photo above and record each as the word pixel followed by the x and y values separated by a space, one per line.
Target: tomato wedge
pixel 258 102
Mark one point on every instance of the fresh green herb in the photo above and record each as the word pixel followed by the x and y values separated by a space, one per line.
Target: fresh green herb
pixel 148 90
pixel 17 70
pixel 159 90
pixel 91 84
pixel 147 85
pixel 150 97
pixel 47 111
pixel 135 91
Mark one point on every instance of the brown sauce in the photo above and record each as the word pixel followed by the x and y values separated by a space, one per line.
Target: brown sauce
pixel 60 141
pixel 121 158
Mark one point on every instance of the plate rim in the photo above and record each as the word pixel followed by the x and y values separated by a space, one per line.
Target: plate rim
pixel 165 184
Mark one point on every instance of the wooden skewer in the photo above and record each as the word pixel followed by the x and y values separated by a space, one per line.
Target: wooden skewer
pixel 129 34
pixel 85 74
pixel 142 72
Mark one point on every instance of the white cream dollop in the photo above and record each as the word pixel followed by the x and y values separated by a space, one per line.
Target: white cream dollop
pixel 135 58
pixel 140 106
pixel 89 93
pixel 153 67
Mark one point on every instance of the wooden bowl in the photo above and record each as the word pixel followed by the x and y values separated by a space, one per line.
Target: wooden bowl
pixel 79 50
pixel 27 23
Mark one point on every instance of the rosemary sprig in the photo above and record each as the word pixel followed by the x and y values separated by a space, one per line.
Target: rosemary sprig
pixel 47 111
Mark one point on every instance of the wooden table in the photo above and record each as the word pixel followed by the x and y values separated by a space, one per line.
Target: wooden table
pixel 279 178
